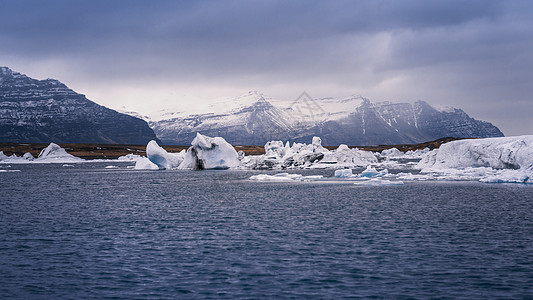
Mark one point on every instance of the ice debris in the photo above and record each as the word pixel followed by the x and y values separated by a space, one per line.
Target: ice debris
pixel 53 153
pixel 285 177
pixel 303 156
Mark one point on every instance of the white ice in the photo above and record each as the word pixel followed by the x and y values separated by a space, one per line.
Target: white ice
pixel 205 153
pixel 51 154
pixel 506 159
pixel 161 158
pixel 210 153
pixel 284 177
pixel 303 156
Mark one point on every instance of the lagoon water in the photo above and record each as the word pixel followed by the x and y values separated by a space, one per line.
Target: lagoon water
pixel 90 232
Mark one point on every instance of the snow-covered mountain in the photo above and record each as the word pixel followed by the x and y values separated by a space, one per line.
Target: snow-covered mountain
pixel 47 110
pixel 253 119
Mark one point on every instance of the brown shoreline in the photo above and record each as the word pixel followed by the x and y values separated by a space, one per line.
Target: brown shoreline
pixel 113 151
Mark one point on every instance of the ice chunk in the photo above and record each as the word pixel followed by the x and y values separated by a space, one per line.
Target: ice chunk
pixel 275 149
pixel 371 172
pixel 144 163
pixel 507 159
pixel 497 153
pixel 284 177
pixel 317 145
pixel 55 154
pixel 378 182
pixel 344 173
pixel 28 156
pixel 130 157
pixel 210 153
pixel 393 152
pixel 161 158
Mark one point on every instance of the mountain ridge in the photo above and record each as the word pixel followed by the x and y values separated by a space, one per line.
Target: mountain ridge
pixel 47 110
pixel 354 120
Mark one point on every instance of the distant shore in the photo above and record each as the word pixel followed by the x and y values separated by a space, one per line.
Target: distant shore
pixel 113 151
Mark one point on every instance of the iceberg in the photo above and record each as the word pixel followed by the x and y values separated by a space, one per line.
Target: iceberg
pixel 130 157
pixel 344 173
pixel 371 172
pixel 210 153
pixel 55 154
pixel 506 159
pixel 205 153
pixel 144 163
pixel 161 158
pixel 285 177
pixel 27 157
pixel 378 182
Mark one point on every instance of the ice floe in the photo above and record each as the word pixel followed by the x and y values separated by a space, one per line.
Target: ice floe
pixel 285 177
pixel 53 153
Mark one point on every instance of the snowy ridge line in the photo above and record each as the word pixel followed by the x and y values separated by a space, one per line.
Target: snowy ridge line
pixel 253 119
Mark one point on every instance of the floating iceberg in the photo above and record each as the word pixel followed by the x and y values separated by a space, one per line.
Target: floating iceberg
pixel 55 154
pixel 210 153
pixel 285 177
pixel 130 157
pixel 161 158
pixel 369 172
pixel 27 157
pixel 205 153
pixel 144 163
pixel 378 182
pixel 507 159
pixel 344 173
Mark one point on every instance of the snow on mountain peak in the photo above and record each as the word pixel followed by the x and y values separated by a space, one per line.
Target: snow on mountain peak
pixel 5 71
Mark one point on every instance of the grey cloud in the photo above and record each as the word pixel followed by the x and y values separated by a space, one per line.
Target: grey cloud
pixel 465 53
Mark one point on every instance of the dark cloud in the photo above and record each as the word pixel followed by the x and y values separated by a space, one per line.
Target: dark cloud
pixel 470 54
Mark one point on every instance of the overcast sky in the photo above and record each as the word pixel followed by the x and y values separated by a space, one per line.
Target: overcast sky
pixel 146 55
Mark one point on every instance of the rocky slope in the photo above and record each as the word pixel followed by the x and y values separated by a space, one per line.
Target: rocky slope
pixel 43 111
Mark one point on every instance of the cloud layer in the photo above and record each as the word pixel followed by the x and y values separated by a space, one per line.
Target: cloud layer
pixel 471 54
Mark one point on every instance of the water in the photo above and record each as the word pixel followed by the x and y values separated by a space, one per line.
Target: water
pixel 90 232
